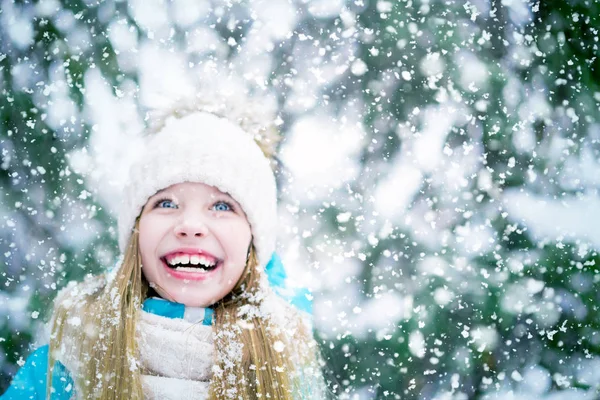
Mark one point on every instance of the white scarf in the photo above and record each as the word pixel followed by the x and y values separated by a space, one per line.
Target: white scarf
pixel 176 357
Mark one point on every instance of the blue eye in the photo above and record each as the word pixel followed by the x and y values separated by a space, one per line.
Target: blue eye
pixel 222 206
pixel 165 203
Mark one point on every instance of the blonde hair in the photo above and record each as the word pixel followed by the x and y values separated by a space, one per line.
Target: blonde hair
pixel 94 323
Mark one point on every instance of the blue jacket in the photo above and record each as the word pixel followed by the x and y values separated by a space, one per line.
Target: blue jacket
pixel 31 380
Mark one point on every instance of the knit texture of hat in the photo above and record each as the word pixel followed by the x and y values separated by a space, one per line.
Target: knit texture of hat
pixel 202 147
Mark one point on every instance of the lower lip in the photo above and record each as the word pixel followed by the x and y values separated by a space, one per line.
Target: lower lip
pixel 191 276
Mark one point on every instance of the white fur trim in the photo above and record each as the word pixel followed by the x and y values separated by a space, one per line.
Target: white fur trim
pixel 202 147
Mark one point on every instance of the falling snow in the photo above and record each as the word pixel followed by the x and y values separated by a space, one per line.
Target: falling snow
pixel 438 188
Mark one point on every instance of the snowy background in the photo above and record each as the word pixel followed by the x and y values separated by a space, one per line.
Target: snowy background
pixel 440 185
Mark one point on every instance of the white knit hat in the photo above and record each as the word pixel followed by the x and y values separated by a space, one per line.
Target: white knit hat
pixel 203 147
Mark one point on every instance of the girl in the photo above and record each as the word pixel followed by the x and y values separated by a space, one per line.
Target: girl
pixel 188 312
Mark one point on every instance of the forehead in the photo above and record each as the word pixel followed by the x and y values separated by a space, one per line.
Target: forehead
pixel 192 188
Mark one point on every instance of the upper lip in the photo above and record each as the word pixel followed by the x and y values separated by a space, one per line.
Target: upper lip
pixel 190 252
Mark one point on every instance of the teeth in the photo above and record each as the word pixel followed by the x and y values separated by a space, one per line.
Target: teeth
pixel 194 259
pixel 179 260
pixel 207 262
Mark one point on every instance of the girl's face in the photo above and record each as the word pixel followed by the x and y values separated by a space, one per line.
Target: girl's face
pixel 194 242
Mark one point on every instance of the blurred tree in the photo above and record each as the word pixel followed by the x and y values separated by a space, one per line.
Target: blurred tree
pixel 52 231
pixel 520 80
pixel 443 291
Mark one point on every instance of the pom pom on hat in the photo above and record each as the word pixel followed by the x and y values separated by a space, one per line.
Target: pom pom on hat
pixel 226 147
pixel 250 116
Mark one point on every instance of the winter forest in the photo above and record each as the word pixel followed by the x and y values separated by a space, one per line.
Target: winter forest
pixel 440 176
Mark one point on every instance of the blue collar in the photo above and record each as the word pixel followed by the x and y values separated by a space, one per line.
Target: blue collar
pixel 165 308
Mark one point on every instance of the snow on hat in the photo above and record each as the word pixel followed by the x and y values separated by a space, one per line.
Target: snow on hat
pixel 202 146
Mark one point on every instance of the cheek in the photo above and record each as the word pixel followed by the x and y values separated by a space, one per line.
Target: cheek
pixel 241 237
pixel 147 240
pixel 147 251
pixel 235 240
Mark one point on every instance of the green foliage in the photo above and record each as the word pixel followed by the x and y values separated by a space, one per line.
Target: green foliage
pixel 477 300
pixel 40 192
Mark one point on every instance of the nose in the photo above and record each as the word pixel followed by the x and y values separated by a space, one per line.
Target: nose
pixel 191 226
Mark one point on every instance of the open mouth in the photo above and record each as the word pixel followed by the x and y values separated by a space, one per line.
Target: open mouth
pixel 191 263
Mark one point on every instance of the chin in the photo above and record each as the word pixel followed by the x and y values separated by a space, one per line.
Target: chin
pixel 195 303
pixel 190 300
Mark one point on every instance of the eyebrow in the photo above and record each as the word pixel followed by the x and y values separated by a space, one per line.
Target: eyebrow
pixel 230 197
pixel 159 192
pixel 214 192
